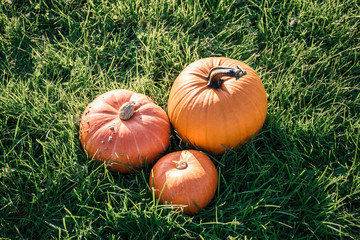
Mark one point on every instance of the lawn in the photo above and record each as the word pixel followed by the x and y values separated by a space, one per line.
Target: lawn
pixel 299 178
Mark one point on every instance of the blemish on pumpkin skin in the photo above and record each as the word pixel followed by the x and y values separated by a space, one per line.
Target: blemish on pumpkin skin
pixel 110 139
pixel 98 152
pixel 106 148
pixel 102 142
pixel 111 128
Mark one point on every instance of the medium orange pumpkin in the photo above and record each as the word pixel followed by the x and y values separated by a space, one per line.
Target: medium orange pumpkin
pixel 187 178
pixel 125 130
pixel 217 103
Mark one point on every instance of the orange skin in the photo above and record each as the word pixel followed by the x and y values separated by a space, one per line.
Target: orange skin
pixel 217 119
pixel 186 178
pixel 124 145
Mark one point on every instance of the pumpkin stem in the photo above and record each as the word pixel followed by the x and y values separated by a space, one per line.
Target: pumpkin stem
pixel 180 165
pixel 127 110
pixel 216 73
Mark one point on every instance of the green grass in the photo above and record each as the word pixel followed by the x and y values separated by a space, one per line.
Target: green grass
pixel 298 179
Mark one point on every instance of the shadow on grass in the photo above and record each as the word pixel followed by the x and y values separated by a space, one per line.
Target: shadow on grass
pixel 270 187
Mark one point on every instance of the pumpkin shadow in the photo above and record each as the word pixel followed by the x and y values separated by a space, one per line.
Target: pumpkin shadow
pixel 271 183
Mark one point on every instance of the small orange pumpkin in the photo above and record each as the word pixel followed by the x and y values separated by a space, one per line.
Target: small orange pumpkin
pixel 217 103
pixel 125 130
pixel 187 178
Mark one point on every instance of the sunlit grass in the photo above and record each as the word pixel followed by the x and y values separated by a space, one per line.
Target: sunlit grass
pixel 298 179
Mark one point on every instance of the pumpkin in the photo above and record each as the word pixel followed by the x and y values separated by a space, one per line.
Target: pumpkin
pixel 124 129
pixel 186 179
pixel 217 104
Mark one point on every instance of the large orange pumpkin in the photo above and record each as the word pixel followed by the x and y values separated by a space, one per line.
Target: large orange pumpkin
pixel 217 103
pixel 125 130
pixel 186 179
